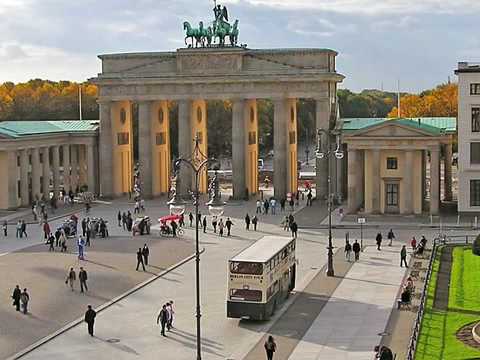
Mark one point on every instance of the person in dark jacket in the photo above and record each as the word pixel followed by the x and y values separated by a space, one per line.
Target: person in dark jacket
pixel 82 276
pixel 403 256
pixel 162 318
pixel 145 253
pixel 356 250
pixel 119 218
pixel 270 347
pixel 247 222
pixel 204 224
pixel 174 226
pixel 379 240
pixel 294 229
pixel 140 259
pixel 228 224
pixel 90 315
pixel 16 297
pixel 255 222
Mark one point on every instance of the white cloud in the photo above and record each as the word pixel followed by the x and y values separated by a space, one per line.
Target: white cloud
pixel 373 7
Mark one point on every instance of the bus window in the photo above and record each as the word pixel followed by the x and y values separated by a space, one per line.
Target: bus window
pixel 251 268
pixel 246 294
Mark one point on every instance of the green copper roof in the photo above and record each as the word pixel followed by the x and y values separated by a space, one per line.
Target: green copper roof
pixel 435 125
pixel 16 129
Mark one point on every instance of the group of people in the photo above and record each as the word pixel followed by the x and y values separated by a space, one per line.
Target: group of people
pixel 355 247
pixel 21 229
pixel 20 299
pixel 165 317
pixel 407 292
pixel 289 224
pixel 142 256
pixel 82 278
pixel 126 220
pixel 253 220
pixel 267 206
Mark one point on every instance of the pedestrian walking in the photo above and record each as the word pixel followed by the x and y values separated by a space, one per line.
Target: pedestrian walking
pixel 348 250
pixel 273 206
pixel 190 217
pixel 247 222
pixel 309 198
pixel 379 241
pixel 294 229
pixel 255 222
pixel 124 220
pixel 16 297
pixel 282 204
pixel 169 308
pixel 19 229
pixel 403 256
pixel 221 225
pixel 229 225
pixel 90 315
pixel 119 218
pixel 173 224
pixel 46 230
pixel 136 209
pixel 51 242
pixel 413 244
pixel 356 250
pixel 145 253
pixel 266 205
pixel 140 259
pixel 258 207
pixel 24 300
pixel 214 224
pixel 270 347
pixel 181 221
pixel 204 224
pixel 292 203
pixel 162 318
pixel 63 242
pixel 390 237
pixel 81 248
pixel 285 222
pixel 84 226
pixel 71 277
pixel 83 277
pixel 24 229
pixel 4 228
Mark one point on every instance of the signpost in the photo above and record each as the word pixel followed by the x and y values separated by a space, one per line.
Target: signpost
pixel 361 221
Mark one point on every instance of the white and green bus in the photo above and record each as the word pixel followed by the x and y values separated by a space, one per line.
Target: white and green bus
pixel 260 278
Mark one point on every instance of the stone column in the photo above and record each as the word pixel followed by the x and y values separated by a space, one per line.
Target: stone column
pixel 408 188
pixel 375 180
pixel 91 168
pixel 352 182
pixel 66 168
pixel 448 172
pixel 56 170
pixel 12 196
pixel 74 166
pixel 280 148
pixel 46 173
pixel 106 150
pixel 82 165
pixel 184 178
pixel 35 174
pixel 424 177
pixel 25 201
pixel 434 180
pixel 238 149
pixel 322 122
pixel 145 147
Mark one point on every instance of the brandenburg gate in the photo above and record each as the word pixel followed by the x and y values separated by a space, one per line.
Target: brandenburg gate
pixel 192 76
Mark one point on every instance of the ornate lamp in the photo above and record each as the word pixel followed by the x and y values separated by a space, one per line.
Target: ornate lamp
pixel 215 206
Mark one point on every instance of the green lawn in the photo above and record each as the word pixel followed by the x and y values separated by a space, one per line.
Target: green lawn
pixel 437 336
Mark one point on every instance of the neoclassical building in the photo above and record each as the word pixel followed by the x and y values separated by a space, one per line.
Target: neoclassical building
pixel 391 160
pixel 191 77
pixel 35 156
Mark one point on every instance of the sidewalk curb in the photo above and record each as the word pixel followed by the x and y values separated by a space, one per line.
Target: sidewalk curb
pixel 74 323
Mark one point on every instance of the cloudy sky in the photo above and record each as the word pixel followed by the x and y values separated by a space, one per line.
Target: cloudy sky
pixel 418 41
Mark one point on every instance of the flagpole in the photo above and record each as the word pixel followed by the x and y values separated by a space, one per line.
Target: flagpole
pixel 398 98
pixel 80 100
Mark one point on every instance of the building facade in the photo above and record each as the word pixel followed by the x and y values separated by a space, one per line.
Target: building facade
pixel 191 77
pixel 394 164
pixel 40 158
pixel 468 136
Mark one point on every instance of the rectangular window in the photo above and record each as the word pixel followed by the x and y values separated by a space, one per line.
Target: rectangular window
pixel 123 138
pixel 41 158
pixel 392 194
pixel 474 192
pixel 241 267
pixel 252 138
pixel 392 163
pixel 18 160
pixel 291 137
pixel 475 153
pixel 161 138
pixel 475 89
pixel 246 295
pixel 475 119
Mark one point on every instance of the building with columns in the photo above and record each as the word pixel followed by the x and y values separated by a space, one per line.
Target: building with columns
pixel 191 77
pixel 391 160
pixel 39 158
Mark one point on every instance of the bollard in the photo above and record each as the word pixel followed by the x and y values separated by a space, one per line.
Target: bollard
pixel 458 220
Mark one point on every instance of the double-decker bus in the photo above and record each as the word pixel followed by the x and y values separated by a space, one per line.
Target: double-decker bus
pixel 260 278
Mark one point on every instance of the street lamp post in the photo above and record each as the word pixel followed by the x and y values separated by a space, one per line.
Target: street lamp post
pixel 197 163
pixel 325 151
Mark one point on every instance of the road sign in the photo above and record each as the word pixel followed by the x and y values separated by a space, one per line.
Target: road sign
pixel 361 220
